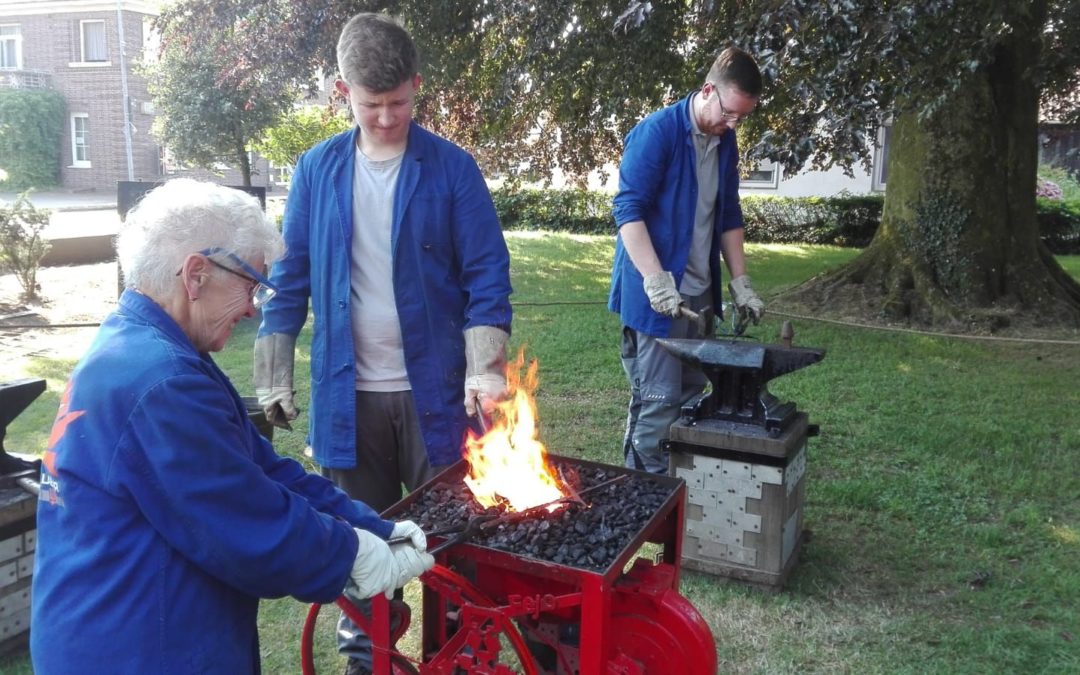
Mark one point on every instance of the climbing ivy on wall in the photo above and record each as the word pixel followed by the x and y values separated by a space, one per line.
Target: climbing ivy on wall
pixel 31 129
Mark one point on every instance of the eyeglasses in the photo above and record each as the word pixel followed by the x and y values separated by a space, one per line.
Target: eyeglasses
pixel 262 290
pixel 731 119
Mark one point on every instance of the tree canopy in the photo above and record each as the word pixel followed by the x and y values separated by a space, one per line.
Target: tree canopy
pixel 530 88
pixel 207 116
pixel 559 83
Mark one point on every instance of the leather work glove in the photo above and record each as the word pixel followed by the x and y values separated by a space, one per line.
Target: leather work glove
pixel 745 299
pixel 485 368
pixel 375 569
pixel 274 355
pixel 411 556
pixel 664 298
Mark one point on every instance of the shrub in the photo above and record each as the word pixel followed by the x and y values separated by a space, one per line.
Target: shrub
pixel 1059 225
pixel 21 244
pixel 845 220
pixel 31 124
pixel 1047 189
pixel 573 211
pixel 1063 179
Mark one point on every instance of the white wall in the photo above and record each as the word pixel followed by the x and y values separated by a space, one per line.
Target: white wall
pixel 813 184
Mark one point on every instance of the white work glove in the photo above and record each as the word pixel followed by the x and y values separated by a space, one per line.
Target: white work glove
pixel 411 556
pixel 375 569
pixel 745 299
pixel 274 355
pixel 663 296
pixel 485 368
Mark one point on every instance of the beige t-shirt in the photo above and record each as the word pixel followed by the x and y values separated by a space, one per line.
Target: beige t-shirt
pixel 376 330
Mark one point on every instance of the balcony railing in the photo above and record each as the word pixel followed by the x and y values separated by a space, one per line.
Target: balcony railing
pixel 24 79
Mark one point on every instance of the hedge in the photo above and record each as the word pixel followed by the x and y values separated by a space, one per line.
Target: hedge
pixel 849 221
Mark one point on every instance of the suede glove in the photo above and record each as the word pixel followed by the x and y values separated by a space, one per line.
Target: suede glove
pixel 274 355
pixel 745 299
pixel 485 368
pixel 411 556
pixel 375 569
pixel 664 297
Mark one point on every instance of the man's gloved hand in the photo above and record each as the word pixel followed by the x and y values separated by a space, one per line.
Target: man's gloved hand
pixel 411 556
pixel 745 299
pixel 274 355
pixel 663 295
pixel 375 569
pixel 485 367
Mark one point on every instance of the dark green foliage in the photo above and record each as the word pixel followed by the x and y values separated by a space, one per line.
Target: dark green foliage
pixel 839 221
pixel 573 211
pixel 31 126
pixel 849 220
pixel 1059 225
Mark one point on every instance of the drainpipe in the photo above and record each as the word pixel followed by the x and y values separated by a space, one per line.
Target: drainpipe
pixel 124 92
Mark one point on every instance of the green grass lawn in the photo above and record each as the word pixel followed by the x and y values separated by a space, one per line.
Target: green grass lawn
pixel 942 493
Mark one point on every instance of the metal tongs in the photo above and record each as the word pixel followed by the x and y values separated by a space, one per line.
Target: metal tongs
pixel 461 532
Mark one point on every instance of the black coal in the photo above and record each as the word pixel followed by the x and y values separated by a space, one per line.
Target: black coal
pixel 587 536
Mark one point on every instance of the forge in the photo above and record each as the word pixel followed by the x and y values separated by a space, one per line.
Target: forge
pixel 587 585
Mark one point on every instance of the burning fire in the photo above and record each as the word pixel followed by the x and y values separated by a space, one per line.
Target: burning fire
pixel 509 463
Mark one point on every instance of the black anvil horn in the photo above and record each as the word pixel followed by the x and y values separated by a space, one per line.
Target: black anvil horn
pixel 739 372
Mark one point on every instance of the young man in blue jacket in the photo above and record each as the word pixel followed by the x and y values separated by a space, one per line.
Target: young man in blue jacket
pixel 677 210
pixel 392 235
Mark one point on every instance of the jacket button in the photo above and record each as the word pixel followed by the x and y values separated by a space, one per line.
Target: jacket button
pixel 341 304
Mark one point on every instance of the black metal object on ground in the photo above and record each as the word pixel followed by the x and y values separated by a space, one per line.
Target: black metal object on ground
pixel 739 372
pixel 588 537
pixel 18 508
pixel 15 396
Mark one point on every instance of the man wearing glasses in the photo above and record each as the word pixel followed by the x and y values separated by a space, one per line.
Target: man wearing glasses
pixel 677 210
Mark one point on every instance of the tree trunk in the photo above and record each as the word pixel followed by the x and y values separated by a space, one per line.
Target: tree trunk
pixel 245 165
pixel 958 244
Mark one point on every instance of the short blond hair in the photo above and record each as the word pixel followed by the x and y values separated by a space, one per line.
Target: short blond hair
pixel 376 52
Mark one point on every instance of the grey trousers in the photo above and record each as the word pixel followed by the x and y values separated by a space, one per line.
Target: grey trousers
pixel 659 386
pixel 390 454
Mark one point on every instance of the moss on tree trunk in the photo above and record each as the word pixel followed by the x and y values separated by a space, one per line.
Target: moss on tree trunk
pixel 958 244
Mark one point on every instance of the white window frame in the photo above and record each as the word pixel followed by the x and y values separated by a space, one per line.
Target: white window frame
pixel 16 39
pixel 77 163
pixel 770 184
pixel 881 157
pixel 82 42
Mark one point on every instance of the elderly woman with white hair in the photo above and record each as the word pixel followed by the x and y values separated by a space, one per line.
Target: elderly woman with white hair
pixel 164 516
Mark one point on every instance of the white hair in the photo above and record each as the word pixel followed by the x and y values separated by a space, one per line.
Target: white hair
pixel 185 216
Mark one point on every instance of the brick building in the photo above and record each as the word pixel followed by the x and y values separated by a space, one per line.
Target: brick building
pixel 89 51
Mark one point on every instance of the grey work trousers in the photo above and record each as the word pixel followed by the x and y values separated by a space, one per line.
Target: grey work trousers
pixel 390 453
pixel 660 384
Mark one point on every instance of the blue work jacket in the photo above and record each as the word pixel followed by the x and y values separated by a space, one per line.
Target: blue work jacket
pixel 658 185
pixel 164 516
pixel 451 271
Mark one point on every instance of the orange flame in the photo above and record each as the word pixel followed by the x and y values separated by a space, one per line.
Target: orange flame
pixel 509 463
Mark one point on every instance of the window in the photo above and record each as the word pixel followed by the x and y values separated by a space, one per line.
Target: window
pixel 80 140
pixel 92 41
pixel 151 42
pixel 881 157
pixel 10 47
pixel 765 174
